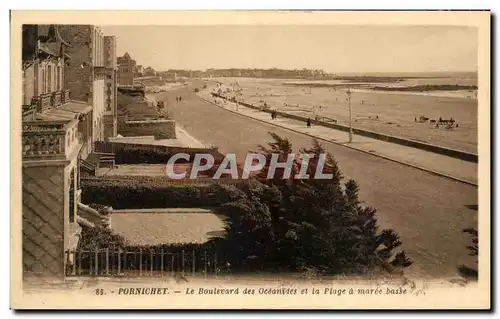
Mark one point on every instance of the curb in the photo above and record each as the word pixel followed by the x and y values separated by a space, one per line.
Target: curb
pixel 350 147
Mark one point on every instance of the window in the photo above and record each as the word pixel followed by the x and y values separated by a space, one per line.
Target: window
pixel 49 79
pixel 72 196
pixel 44 80
pixel 58 79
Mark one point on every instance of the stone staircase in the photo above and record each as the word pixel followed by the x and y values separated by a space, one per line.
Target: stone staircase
pixel 95 161
pixel 102 159
pixel 88 167
pixel 92 218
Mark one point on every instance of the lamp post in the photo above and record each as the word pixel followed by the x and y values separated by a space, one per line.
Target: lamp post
pixel 350 114
pixel 235 98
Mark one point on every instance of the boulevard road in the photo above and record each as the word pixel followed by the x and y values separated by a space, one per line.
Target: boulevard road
pixel 427 211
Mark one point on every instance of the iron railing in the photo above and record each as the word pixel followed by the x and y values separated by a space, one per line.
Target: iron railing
pixel 140 263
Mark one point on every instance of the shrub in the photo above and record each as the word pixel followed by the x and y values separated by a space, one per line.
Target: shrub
pixel 466 271
pixel 100 238
pixel 156 192
pixel 137 156
pixel 102 209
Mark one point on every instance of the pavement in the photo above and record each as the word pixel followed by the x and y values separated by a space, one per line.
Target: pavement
pixel 165 210
pixel 428 211
pixel 187 139
pixel 429 161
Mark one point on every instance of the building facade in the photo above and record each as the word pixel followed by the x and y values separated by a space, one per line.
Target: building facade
pixel 85 74
pixel 51 146
pixel 111 88
pixel 126 67
pixel 44 59
pixel 58 132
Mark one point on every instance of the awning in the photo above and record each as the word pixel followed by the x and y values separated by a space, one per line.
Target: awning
pixel 76 106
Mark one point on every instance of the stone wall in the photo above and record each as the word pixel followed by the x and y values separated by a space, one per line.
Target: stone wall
pixel 29 84
pixel 79 72
pixel 99 107
pixel 43 198
pixel 160 129
pixel 110 126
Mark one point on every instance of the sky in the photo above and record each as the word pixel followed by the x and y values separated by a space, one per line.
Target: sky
pixel 337 49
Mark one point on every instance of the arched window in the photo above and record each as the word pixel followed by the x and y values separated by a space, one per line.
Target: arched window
pixel 58 78
pixel 49 79
pixel 44 81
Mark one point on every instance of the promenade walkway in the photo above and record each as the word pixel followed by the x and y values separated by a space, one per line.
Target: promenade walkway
pixel 432 162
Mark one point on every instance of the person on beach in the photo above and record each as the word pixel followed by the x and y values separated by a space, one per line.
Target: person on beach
pixel 274 114
pixel 308 122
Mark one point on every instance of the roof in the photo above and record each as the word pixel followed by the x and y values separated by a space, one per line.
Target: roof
pixel 44 47
pixel 50 32
pixel 66 111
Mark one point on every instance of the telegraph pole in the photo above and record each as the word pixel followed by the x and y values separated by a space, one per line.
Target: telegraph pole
pixel 350 114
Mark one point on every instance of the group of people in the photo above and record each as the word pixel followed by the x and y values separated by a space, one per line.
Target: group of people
pixel 178 98
pixel 449 124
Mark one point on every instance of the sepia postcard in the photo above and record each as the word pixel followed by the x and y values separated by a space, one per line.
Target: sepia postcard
pixel 250 160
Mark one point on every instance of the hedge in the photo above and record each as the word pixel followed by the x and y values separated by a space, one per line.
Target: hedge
pixel 153 193
pixel 138 156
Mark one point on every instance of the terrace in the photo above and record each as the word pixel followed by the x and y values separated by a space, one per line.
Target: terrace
pixel 49 139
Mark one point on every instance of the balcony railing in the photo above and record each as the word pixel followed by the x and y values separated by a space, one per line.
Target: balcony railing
pixel 65 96
pixel 43 101
pixel 56 98
pixel 49 138
pixel 29 112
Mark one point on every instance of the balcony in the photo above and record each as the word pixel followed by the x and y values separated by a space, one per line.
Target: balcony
pixel 43 139
pixel 56 98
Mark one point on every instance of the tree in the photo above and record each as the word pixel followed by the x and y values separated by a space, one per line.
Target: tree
pixel 465 271
pixel 309 223
pixel 249 233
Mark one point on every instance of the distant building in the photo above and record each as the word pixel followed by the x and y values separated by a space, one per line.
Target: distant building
pixel 149 71
pixel 138 71
pixel 171 76
pixel 126 67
